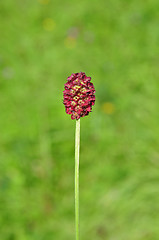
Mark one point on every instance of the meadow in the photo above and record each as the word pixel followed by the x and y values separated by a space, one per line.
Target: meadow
pixel 42 42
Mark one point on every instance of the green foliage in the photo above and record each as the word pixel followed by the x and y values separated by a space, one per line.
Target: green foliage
pixel 42 43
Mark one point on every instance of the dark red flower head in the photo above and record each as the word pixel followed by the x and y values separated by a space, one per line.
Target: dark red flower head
pixel 78 95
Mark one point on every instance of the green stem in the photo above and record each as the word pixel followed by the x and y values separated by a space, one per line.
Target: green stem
pixel 77 146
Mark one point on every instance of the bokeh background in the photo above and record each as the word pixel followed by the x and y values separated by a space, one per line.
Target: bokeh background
pixel 116 43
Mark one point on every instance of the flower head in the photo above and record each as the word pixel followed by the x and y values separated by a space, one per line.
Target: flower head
pixel 79 95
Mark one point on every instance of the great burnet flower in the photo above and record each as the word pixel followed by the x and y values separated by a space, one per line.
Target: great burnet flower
pixel 79 95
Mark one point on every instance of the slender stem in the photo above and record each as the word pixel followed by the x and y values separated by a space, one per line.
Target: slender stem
pixel 77 146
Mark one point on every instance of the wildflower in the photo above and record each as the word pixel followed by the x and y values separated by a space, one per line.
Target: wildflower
pixel 79 95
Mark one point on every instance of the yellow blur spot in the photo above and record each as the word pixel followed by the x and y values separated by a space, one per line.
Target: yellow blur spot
pixel 108 108
pixel 44 2
pixel 48 24
pixel 70 42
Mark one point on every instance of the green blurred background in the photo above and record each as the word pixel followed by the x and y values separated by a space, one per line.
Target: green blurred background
pixel 116 42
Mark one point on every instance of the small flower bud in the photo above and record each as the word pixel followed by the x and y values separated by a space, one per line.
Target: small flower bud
pixel 79 95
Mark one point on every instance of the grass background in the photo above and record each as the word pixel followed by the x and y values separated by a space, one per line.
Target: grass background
pixel 41 44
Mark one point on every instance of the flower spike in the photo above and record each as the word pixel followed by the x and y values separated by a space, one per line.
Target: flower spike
pixel 79 95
